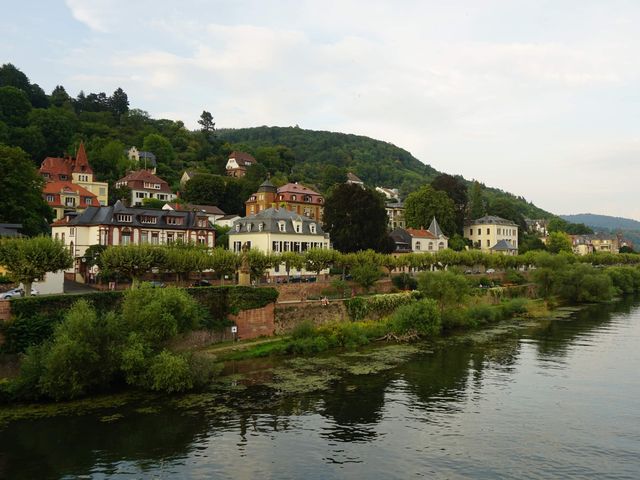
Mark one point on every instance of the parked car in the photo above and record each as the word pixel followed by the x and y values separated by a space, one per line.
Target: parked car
pixel 201 283
pixel 491 270
pixel 157 284
pixel 16 293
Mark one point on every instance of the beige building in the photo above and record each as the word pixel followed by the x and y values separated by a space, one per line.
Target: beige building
pixel 599 242
pixel 278 230
pixel 395 214
pixel 493 235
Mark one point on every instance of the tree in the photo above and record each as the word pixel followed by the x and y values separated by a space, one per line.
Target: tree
pixel 477 205
pixel 206 122
pixel 425 204
pixel 559 242
pixel 318 259
pixel 28 259
pixel 119 102
pixel 57 127
pixel 205 189
pixel 160 146
pixel 13 77
pixel 21 198
pixel 508 209
pixel 446 288
pixel 14 107
pixel 530 242
pixel 223 262
pixel 122 193
pixel 133 261
pixel 355 218
pixel 259 262
pixel 60 97
pixel 290 260
pixel 456 189
pixel 366 274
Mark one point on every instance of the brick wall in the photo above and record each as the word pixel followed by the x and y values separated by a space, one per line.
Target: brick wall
pixel 5 310
pixel 296 291
pixel 255 323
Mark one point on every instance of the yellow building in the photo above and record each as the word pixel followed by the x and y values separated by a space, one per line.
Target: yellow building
pixel 493 234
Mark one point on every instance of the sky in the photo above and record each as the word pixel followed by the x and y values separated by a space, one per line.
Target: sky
pixel 539 98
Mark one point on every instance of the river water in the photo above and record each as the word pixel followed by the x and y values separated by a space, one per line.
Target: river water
pixel 560 399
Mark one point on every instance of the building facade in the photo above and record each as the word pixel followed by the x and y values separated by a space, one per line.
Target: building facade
pixel 70 184
pixel 395 214
pixel 276 230
pixel 493 235
pixel 414 240
pixel 144 184
pixel 294 197
pixel 238 163
pixel 144 160
pixel 212 212
pixel 598 242
pixel 121 225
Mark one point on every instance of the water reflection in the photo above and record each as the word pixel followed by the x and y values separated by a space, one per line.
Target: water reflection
pixel 518 404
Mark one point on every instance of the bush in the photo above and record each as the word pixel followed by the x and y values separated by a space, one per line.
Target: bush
pixel 365 274
pixel 423 317
pixel 359 308
pixel 404 281
pixel 624 279
pixel 304 329
pixel 514 276
pixel 447 288
pixel 170 373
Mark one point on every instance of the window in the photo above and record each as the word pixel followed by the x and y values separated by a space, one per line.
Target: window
pixel 441 246
pixel 248 227
pixel 144 237
pixel 154 238
pixel 297 228
pixel 260 226
pixel 148 219
pixel 293 197
pixel 141 195
pixel 479 232
pixel 470 231
pixel 161 196
pixel 488 231
pixel 70 202
pixel 103 191
pixel 126 238
pixel 174 220
pixel 488 244
pixel 203 222
pixel 499 232
pixel 170 237
pixel 417 245
pixel 63 177
pixel 281 226
pixel 72 232
pixel 125 218
pixel 87 200
pixel 238 226
pixel 307 198
pixel 430 246
pixel 312 228
pixel 50 198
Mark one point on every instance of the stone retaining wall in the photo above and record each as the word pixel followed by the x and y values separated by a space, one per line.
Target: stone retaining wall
pixel 288 316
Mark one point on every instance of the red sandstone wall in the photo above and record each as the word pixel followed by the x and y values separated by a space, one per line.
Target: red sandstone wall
pixel 255 323
pixel 5 310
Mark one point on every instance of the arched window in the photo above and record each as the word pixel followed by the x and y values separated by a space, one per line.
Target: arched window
pixel 441 246
pixel 430 245
pixel 417 245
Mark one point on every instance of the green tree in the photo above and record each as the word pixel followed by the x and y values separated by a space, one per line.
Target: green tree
pixel 290 260
pixel 14 107
pixel 28 259
pixel 355 218
pixel 205 189
pixel 57 126
pixel 559 242
pixel 12 77
pixel 119 102
pixel 206 122
pixel 446 288
pixel 21 198
pixel 456 189
pixel 318 259
pixel 366 274
pixel 160 146
pixel 223 262
pixel 477 204
pixel 60 97
pixel 133 261
pixel 259 263
pixel 530 242
pixel 425 204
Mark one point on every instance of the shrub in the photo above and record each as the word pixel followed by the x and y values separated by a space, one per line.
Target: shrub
pixel 447 288
pixel 304 329
pixel 514 276
pixel 404 281
pixel 423 317
pixel 359 308
pixel 170 373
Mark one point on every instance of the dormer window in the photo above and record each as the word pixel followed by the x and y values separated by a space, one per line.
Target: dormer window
pixel 260 227
pixel 238 226
pixel 248 227
pixel 307 198
pixel 281 227
pixel 202 222
pixel 87 200
pixel 148 219
pixel 293 197
pixel 125 218
pixel 174 220
pixel 312 227
pixel 297 228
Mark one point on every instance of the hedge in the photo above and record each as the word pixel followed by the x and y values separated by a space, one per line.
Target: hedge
pixel 378 306
pixel 35 317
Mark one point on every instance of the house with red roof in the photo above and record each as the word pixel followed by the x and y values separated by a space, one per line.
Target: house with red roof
pixel 419 240
pixel 70 184
pixel 238 162
pixel 144 184
pixel 294 197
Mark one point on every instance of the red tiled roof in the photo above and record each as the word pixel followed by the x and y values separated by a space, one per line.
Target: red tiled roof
pixel 57 188
pixel 297 188
pixel 421 233
pixel 81 162
pixel 144 175
pixel 242 157
pixel 55 166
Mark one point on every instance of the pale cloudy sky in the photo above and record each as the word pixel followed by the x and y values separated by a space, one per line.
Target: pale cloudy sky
pixel 541 98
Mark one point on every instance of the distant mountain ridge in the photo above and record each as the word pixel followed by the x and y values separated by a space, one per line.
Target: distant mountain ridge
pixel 606 222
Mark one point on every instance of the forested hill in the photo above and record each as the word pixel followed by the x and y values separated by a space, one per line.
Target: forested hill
pixel 323 158
pixel 320 153
pixel 603 221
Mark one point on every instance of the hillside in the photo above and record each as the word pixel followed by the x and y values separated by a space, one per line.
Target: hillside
pixel 606 222
pixel 323 157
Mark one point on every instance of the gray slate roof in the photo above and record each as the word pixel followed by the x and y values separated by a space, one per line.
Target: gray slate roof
pixel 435 228
pixel 492 219
pixel 109 216
pixel 503 245
pixel 10 229
pixel 270 219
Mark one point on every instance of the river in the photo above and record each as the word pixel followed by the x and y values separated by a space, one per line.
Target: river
pixel 558 399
